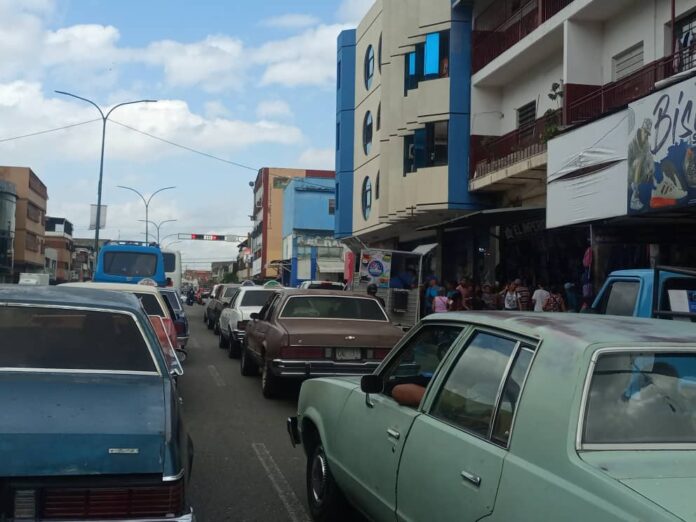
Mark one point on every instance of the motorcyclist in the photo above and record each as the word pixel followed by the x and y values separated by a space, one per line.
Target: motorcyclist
pixel 372 290
pixel 190 296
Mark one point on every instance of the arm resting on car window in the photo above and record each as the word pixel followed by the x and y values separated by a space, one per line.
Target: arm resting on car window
pixel 408 394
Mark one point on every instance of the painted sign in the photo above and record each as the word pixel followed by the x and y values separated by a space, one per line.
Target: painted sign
pixel 375 267
pixel 662 149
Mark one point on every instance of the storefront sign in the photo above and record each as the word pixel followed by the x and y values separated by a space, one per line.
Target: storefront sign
pixel 521 230
pixel 375 267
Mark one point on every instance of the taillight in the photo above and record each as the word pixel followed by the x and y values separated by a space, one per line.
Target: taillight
pixel 301 352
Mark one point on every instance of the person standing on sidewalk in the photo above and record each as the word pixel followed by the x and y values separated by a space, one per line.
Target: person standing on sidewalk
pixel 524 294
pixel 511 299
pixel 539 297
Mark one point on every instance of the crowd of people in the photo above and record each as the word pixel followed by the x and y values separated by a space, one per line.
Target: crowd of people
pixel 514 296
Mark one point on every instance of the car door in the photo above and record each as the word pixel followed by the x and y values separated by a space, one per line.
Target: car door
pixel 226 324
pixel 372 428
pixel 453 457
pixel 261 326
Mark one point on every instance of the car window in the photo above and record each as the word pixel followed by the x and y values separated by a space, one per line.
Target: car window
pixel 133 264
pixel 229 292
pixel 642 397
pixel 234 298
pixel 172 300
pixel 264 314
pixel 333 307
pixel 468 396
pixel 169 262
pixel 420 356
pixel 64 339
pixel 510 396
pixel 151 304
pixel 621 298
pixel 256 298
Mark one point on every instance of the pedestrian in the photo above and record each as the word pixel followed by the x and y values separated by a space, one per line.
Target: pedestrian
pixel 372 290
pixel 523 293
pixel 440 302
pixel 455 302
pixel 511 299
pixel 489 298
pixel 555 302
pixel 539 297
pixel 431 292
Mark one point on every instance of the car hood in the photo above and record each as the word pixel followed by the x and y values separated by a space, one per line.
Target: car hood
pixel 667 478
pixel 342 333
pixel 78 424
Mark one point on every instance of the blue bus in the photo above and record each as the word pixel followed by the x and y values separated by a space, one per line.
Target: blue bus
pixel 130 262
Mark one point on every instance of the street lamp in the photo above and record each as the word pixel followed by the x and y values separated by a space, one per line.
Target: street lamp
pixel 157 226
pixel 104 117
pixel 147 206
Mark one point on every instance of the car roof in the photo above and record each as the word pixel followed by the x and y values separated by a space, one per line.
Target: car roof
pixel 294 292
pixel 573 332
pixel 67 296
pixel 115 287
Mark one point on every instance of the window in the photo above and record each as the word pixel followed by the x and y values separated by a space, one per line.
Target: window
pixel 377 187
pixel 338 75
pixel 510 396
pixel 409 154
pixel 367 132
pixel 411 71
pixel 256 297
pixel 431 65
pixel 468 396
pixel 318 307
pixel 620 298
pixel 173 301
pixel 229 292
pixel 65 339
pixel 427 147
pixel 338 136
pixel 332 206
pixel 150 304
pixel 31 242
pixel 526 115
pixel 169 262
pixel 627 62
pixel 379 116
pixel 130 264
pixel 685 32
pixel 366 199
pixel 34 213
pixel 642 397
pixel 369 66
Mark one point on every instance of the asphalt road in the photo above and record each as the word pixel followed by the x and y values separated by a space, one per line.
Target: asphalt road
pixel 244 465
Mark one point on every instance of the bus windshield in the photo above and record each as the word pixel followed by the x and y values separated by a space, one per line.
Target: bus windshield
pixel 131 264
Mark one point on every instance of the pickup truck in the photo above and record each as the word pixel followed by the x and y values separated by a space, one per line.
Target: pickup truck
pixel 663 292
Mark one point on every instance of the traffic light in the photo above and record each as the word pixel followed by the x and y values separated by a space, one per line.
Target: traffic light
pixel 207 237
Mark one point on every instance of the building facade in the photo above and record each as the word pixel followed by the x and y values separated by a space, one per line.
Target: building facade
pixel 59 239
pixel 30 217
pixel 310 250
pixel 8 209
pixel 267 234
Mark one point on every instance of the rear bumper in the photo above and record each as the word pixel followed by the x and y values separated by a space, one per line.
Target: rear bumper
pixel 238 335
pixel 300 369
pixel 188 517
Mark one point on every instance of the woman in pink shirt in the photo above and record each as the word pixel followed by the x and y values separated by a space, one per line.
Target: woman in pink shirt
pixel 440 302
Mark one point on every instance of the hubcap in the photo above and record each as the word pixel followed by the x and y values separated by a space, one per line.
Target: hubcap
pixel 318 477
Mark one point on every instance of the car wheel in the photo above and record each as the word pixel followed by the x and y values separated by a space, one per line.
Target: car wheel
pixel 209 324
pixel 269 381
pixel 216 329
pixel 222 342
pixel 247 366
pixel 233 347
pixel 326 502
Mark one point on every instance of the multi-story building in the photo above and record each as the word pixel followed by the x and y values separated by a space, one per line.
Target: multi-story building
pixel 8 209
pixel 244 261
pixel 310 250
pixel 58 238
pixel 83 260
pixel 267 234
pixel 402 147
pixel 30 215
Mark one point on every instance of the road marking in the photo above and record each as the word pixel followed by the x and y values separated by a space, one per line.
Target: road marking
pixel 292 504
pixel 216 375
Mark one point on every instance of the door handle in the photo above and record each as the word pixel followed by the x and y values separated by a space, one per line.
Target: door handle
pixel 470 477
pixel 393 434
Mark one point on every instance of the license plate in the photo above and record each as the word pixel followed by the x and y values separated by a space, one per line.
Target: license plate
pixel 347 354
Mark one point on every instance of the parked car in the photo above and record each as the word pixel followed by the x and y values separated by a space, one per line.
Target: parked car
pixel 91 423
pixel 236 314
pixel 513 416
pixel 313 333
pixel 221 295
pixel 180 320
pixel 322 285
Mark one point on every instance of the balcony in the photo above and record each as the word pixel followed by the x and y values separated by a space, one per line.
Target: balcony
pixel 615 95
pixel 505 22
pixel 497 154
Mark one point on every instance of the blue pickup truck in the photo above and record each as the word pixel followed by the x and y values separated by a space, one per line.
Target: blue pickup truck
pixel 663 292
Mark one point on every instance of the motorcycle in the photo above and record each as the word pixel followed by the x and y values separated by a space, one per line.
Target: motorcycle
pixel 189 300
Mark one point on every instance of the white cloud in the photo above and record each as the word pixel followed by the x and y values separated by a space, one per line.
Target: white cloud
pixel 322 159
pixel 83 44
pixel 352 11
pixel 273 109
pixel 215 109
pixel 291 21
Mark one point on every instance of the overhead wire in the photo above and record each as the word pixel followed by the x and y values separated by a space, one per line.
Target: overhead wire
pixel 56 129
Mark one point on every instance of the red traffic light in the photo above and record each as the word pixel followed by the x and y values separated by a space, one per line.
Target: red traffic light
pixel 208 237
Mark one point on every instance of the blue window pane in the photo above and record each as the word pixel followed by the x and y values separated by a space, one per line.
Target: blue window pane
pixel 431 64
pixel 419 145
pixel 412 64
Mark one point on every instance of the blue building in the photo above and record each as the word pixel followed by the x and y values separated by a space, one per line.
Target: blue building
pixel 345 132
pixel 310 250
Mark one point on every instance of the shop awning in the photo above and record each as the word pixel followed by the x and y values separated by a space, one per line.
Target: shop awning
pixel 424 250
pixel 330 265
pixel 492 217
pixel 279 264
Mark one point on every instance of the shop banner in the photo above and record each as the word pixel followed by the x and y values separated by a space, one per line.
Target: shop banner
pixel 662 149
pixel 375 267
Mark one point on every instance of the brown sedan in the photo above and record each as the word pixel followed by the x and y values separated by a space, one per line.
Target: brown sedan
pixel 316 333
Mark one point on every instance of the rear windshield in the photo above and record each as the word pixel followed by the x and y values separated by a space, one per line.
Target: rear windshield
pixel 169 262
pixel 642 397
pixel 130 264
pixel 151 304
pixel 44 338
pixel 256 298
pixel 325 286
pixel 333 307
pixel 229 292
pixel 173 300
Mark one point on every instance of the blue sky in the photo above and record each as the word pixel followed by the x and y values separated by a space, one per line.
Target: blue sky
pixel 248 81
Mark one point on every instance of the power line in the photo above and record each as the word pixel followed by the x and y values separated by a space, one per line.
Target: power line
pixel 38 133
pixel 190 149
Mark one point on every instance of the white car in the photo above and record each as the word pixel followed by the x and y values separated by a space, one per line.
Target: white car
pixel 235 315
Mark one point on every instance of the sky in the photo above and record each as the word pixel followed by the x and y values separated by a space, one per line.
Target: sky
pixel 250 82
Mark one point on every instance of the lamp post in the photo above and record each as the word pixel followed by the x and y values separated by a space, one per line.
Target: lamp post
pixel 157 226
pixel 147 206
pixel 104 118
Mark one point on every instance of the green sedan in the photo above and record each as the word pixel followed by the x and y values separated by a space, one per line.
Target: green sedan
pixel 510 417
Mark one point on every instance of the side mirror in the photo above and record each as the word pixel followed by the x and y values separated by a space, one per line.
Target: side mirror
pixel 372 384
pixel 255 316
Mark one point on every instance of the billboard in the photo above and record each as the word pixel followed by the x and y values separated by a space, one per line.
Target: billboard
pixel 375 267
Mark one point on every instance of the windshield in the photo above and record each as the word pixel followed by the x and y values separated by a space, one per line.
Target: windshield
pixel 256 298
pixel 44 338
pixel 130 264
pixel 151 304
pixel 333 307
pixel 169 262
pixel 642 397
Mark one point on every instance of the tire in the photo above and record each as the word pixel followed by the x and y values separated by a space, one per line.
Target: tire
pixel 269 382
pixel 222 342
pixel 209 324
pixel 233 348
pixel 216 329
pixel 326 502
pixel 247 366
